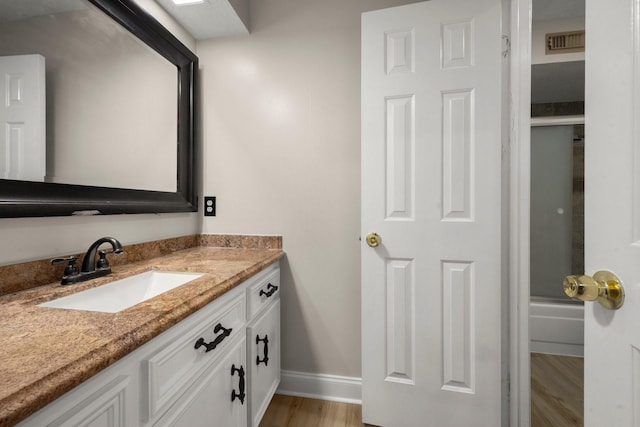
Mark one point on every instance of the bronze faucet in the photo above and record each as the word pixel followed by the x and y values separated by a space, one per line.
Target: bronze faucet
pixel 90 267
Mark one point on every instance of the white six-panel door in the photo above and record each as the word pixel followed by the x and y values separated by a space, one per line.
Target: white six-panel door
pixel 22 117
pixel 431 188
pixel 612 209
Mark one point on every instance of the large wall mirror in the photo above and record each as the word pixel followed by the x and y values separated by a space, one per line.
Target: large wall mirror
pixel 97 111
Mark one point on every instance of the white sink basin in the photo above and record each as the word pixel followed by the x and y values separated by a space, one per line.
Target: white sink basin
pixel 124 293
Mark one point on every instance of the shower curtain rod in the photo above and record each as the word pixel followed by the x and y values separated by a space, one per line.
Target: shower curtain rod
pixel 557 120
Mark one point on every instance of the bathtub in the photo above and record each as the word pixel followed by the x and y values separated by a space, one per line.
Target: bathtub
pixel 556 327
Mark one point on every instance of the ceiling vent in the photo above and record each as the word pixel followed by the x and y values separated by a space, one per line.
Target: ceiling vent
pixel 566 42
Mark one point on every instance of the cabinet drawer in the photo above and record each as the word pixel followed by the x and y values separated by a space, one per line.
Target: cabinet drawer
pixel 167 373
pixel 265 290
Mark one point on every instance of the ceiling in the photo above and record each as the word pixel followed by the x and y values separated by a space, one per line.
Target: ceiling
pixel 208 19
pixel 211 18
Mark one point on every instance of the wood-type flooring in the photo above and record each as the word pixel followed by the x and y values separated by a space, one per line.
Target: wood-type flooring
pixel 556 400
pixel 557 384
pixel 289 411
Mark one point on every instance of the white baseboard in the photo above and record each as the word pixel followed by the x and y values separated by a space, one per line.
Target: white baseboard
pixel 557 328
pixel 319 386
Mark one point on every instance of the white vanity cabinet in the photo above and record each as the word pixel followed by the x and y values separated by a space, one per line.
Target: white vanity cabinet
pixel 201 372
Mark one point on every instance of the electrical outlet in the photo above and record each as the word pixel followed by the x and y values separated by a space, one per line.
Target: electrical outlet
pixel 209 206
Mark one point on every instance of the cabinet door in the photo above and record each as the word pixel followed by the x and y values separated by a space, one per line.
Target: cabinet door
pixel 94 404
pixel 263 343
pixel 218 399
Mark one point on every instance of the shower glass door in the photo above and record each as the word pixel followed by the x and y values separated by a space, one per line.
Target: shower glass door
pixel 557 217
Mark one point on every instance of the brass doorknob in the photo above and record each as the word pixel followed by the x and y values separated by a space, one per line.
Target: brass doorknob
pixel 373 240
pixel 604 287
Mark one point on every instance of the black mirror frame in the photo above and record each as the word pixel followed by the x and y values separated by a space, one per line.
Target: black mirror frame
pixel 42 199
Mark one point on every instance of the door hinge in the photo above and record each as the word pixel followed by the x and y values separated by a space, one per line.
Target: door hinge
pixel 506 46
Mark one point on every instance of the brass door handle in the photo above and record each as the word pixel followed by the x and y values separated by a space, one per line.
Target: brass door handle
pixel 604 287
pixel 373 240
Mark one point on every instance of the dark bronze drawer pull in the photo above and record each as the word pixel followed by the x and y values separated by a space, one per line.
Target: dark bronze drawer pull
pixel 265 359
pixel 213 344
pixel 271 289
pixel 240 395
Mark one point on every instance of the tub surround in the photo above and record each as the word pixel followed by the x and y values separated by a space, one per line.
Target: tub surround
pixel 556 327
pixel 47 352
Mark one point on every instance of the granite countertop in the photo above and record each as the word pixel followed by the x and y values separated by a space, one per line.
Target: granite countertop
pixel 46 352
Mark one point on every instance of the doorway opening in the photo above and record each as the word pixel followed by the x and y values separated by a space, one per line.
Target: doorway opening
pixel 556 216
pixel 557 250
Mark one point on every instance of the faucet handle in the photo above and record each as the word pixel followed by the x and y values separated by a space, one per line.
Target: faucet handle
pixel 102 257
pixel 71 269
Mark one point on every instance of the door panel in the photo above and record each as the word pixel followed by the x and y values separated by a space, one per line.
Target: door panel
pixel 612 209
pixel 431 188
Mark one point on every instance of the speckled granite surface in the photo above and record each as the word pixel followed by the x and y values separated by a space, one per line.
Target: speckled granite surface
pixel 45 352
pixel 18 277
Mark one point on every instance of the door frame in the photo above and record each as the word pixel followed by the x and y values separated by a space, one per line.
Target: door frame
pixel 519 216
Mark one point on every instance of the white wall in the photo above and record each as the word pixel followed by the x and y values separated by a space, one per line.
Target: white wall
pixel 281 128
pixel 540 28
pixel 281 124
pixel 26 239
